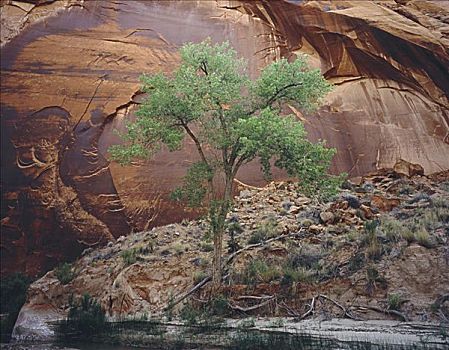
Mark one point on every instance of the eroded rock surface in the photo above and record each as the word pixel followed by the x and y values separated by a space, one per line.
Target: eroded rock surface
pixel 70 76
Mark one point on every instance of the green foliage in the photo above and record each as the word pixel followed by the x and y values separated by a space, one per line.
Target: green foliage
pixel 194 186
pixel 65 273
pixel 85 319
pixel 206 247
pixel 129 256
pixel 423 238
pixel 13 296
pixel 369 239
pixel 393 229
pixel 265 230
pixel 394 301
pixel 198 276
pixel 179 248
pixel 233 115
pixel 218 305
pixel 258 270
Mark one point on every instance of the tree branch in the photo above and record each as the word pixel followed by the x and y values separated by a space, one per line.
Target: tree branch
pixel 196 141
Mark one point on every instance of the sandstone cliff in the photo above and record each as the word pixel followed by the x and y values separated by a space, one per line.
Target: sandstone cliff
pixel 70 76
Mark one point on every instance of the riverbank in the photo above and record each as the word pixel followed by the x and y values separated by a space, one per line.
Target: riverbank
pixel 260 334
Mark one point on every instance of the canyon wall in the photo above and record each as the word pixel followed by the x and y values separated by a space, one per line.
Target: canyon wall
pixel 70 72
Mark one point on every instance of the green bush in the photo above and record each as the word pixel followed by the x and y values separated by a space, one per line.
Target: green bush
pixel 394 301
pixel 86 318
pixel 266 230
pixel 393 229
pixel 291 275
pixel 198 276
pixel 129 256
pixel 65 273
pixel 257 237
pixel 423 238
pixel 259 271
pixel 206 247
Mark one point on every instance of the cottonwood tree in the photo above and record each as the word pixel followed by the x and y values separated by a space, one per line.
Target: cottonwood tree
pixel 231 120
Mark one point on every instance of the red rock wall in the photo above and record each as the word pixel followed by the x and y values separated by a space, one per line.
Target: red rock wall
pixel 71 76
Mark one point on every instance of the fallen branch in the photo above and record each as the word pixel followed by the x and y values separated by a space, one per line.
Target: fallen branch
pixel 310 311
pixel 191 291
pixel 242 297
pixel 345 310
pixel 250 308
pixel 255 245
pixel 384 311
pixel 290 311
pixel 247 186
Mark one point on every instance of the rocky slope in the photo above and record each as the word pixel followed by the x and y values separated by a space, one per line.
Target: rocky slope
pixel 70 76
pixel 377 251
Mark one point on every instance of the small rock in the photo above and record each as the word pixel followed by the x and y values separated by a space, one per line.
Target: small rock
pixel 245 194
pixel 86 251
pixel 383 203
pixel 315 228
pixel 353 201
pixel 306 223
pixel 286 205
pixel 294 209
pixel 120 239
pixel 327 217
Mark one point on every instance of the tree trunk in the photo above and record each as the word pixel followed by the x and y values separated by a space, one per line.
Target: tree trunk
pixel 220 228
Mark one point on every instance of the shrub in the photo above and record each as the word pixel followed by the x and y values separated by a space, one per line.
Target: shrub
pixel 198 276
pixel 218 306
pixel 393 229
pixel 190 314
pixel 291 275
pixel 64 273
pixel 267 229
pixel 409 236
pixel 259 271
pixel 206 246
pixel 305 257
pixel 394 301
pixel 373 278
pixel 129 256
pixel 179 248
pixel 374 249
pixel 423 238
pixel 257 237
pixel 85 318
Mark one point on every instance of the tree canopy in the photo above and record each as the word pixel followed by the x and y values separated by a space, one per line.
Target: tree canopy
pixel 232 121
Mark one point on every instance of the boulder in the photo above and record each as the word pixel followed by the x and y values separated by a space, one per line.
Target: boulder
pixel 403 167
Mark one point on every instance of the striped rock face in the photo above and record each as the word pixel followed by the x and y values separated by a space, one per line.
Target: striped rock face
pixel 70 72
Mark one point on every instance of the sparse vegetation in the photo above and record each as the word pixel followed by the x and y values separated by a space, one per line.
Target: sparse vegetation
pixel 85 319
pixel 129 256
pixel 267 229
pixel 65 273
pixel 423 238
pixel 394 301
pixel 198 276
pixel 374 249
pixel 179 248
pixel 206 246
